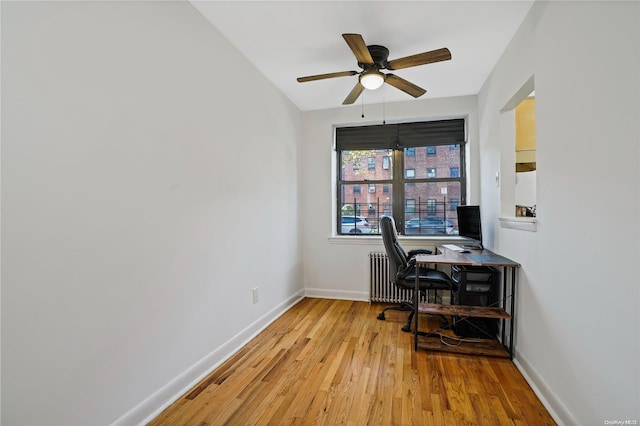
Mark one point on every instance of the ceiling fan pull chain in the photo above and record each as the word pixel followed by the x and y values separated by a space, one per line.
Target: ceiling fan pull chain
pixel 384 110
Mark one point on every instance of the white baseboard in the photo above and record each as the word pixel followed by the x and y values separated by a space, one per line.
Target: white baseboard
pixel 549 399
pixel 321 293
pixel 152 406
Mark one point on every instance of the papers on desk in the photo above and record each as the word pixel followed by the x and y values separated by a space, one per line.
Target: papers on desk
pixel 453 247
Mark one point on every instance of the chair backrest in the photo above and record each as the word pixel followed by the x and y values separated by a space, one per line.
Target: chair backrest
pixel 397 256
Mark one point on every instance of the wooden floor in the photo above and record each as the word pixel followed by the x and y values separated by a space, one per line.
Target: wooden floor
pixel 330 362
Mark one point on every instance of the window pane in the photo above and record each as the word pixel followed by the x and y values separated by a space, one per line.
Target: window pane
pixel 365 165
pixel 431 212
pixel 360 211
pixel 432 162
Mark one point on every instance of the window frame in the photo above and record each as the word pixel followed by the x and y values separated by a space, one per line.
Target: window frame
pixel 398 178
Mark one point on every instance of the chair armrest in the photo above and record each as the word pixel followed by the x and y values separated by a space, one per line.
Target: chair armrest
pixel 418 251
pixel 410 268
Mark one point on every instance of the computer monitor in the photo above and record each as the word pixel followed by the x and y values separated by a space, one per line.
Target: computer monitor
pixel 469 224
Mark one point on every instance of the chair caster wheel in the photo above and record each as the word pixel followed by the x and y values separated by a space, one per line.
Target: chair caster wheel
pixel 406 329
pixel 381 316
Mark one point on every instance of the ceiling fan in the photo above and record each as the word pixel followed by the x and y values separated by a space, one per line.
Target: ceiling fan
pixel 372 59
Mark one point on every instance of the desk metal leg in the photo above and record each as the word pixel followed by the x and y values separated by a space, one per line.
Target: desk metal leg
pixel 416 294
pixel 504 303
pixel 513 311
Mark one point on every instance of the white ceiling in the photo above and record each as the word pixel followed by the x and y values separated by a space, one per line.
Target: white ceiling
pixel 290 39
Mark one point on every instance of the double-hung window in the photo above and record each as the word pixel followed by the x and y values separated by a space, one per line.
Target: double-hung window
pixel 418 187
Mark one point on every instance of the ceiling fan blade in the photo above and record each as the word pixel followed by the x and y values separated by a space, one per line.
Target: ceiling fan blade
pixel 405 86
pixel 355 93
pixel 420 59
pixel 358 47
pixel 323 76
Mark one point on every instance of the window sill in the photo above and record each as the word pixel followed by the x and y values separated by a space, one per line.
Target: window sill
pixel 360 239
pixel 377 239
pixel 521 223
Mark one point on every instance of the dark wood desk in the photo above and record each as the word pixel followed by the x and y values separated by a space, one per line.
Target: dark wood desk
pixel 504 311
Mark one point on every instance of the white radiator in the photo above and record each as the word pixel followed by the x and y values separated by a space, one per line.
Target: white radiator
pixel 381 289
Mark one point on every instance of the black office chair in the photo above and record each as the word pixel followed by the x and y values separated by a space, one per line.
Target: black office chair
pixel 402 270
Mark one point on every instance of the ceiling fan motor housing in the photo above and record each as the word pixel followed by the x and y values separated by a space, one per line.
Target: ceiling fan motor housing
pixel 379 54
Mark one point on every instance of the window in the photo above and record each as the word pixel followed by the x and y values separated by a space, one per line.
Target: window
pixel 404 181
pixel 432 205
pixel 410 206
pixel 356 189
pixel 371 163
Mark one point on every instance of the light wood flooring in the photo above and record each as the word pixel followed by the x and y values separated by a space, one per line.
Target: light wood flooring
pixel 330 362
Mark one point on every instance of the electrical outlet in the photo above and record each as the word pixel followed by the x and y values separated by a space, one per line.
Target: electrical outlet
pixel 255 295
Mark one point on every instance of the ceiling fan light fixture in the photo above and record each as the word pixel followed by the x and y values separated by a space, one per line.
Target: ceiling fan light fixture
pixel 371 79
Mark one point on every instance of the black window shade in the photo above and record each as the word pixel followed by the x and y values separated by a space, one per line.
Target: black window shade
pixel 399 136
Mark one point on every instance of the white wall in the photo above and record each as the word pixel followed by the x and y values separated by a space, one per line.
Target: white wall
pixel 337 267
pixel 578 328
pixel 525 188
pixel 146 168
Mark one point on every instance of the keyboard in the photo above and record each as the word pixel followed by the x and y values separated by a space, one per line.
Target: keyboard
pixel 453 247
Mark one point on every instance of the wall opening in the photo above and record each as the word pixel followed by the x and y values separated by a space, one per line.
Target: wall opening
pixel 518 162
